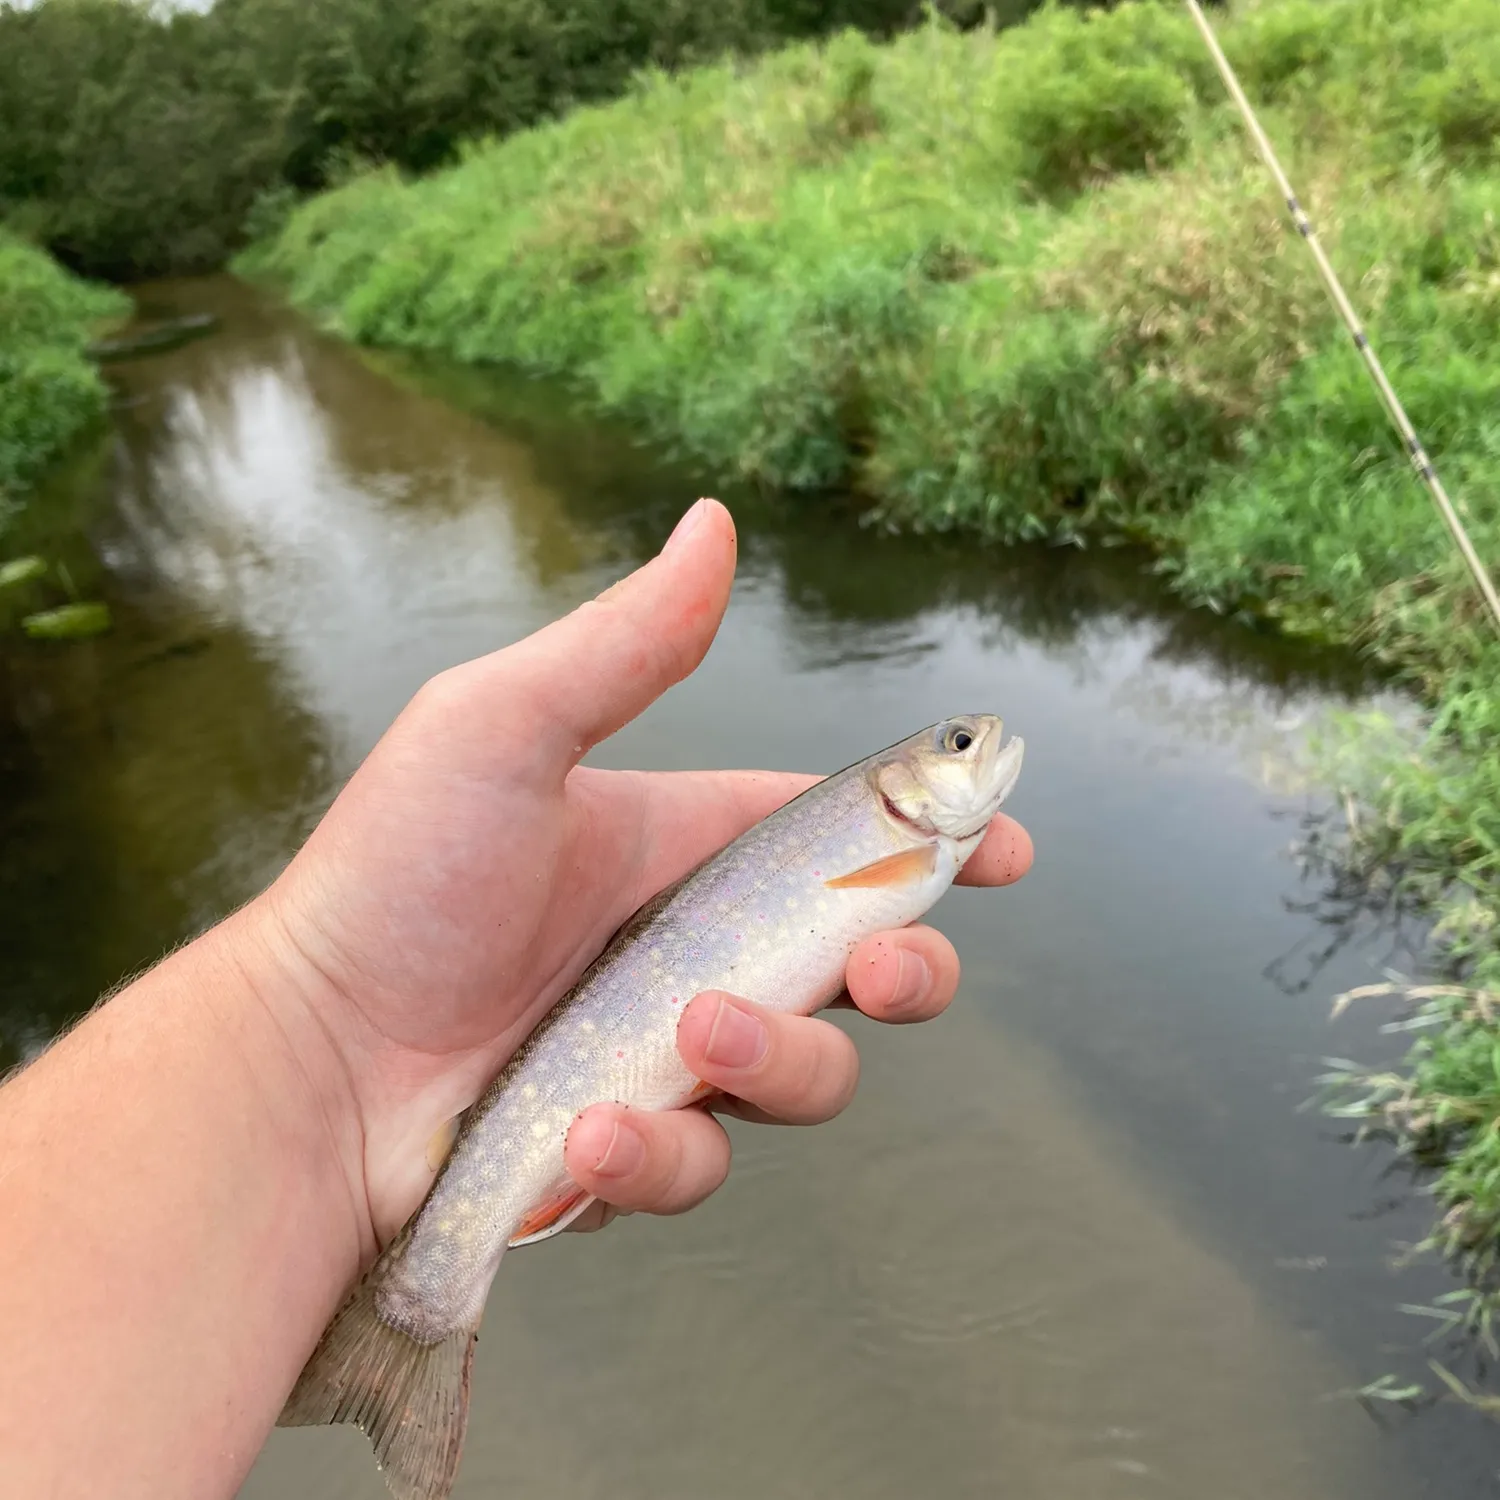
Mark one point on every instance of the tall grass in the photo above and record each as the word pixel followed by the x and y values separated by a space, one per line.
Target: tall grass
pixel 49 393
pixel 48 388
pixel 1034 284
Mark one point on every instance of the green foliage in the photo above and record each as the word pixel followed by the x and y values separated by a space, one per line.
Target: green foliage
pixel 137 139
pixel 1285 45
pixel 68 622
pixel 126 143
pixel 1100 92
pixel 21 570
pixel 48 388
pixel 49 392
pixel 1035 284
pixel 1417 76
pixel 26 581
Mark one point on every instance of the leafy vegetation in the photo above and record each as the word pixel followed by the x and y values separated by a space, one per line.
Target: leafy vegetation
pixel 137 139
pixel 48 387
pixel 1035 284
pixel 49 392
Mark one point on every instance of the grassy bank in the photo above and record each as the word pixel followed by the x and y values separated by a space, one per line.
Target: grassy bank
pixel 1034 284
pixel 49 390
pixel 50 393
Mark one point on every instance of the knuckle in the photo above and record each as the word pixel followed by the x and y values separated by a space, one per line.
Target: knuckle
pixel 940 954
pixel 662 1164
pixel 699 1163
pixel 441 696
pixel 712 1169
pixel 817 1073
pixel 809 1077
pixel 837 1070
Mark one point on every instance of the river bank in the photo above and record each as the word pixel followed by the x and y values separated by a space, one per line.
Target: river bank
pixel 49 389
pixel 51 395
pixel 1034 285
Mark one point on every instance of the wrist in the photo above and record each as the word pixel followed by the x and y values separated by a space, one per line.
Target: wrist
pixel 281 1020
pixel 181 1221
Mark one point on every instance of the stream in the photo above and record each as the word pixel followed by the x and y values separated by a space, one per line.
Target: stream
pixel 1077 1240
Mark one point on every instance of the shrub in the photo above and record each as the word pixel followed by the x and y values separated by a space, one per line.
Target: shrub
pixel 48 389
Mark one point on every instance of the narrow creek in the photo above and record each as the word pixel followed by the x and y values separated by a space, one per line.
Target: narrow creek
pixel 1075 1241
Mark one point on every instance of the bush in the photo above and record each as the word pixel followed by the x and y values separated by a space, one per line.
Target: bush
pixel 1097 93
pixel 1278 46
pixel 48 389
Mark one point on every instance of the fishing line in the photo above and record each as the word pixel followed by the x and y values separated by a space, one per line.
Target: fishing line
pixel 1420 460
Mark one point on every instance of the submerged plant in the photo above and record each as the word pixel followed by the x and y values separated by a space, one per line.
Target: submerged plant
pixel 75 620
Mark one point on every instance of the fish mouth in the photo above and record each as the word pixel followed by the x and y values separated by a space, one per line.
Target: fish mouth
pixel 1005 769
pixel 999 770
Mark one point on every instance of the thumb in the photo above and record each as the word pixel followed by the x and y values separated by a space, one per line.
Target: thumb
pixel 579 680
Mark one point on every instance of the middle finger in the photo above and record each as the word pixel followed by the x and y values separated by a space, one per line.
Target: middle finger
pixel 797 1069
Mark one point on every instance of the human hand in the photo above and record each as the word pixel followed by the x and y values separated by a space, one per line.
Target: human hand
pixel 471 869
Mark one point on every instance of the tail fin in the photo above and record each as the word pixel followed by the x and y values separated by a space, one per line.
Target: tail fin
pixel 410 1399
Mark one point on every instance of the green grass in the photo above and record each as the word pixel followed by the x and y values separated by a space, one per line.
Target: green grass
pixel 1035 284
pixel 49 391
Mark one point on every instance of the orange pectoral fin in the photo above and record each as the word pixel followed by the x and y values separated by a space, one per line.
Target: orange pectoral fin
pixel 550 1216
pixel 910 867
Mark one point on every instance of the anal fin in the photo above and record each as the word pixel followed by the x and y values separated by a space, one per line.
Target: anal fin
pixel 550 1217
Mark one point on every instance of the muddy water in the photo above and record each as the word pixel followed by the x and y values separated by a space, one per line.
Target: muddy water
pixel 1074 1241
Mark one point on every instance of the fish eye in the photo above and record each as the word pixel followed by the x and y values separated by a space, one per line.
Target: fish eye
pixel 957 738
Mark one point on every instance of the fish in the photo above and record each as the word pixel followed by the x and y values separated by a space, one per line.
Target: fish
pixel 773 916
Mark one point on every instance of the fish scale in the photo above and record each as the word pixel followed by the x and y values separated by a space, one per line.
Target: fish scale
pixel 773 918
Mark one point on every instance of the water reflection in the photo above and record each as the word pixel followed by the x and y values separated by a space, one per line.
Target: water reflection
pixel 1051 1249
pixel 1101 616
pixel 828 566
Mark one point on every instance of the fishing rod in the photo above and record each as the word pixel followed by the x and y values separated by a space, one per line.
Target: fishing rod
pixel 1420 459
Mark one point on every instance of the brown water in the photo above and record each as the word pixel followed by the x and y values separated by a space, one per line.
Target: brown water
pixel 1074 1241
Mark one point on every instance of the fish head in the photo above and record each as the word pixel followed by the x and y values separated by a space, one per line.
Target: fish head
pixel 949 780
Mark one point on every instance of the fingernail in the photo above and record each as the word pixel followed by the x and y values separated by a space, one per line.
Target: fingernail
pixel 913 980
pixel 737 1039
pixel 687 525
pixel 625 1153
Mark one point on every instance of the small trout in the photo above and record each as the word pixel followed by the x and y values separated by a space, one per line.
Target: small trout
pixel 774 917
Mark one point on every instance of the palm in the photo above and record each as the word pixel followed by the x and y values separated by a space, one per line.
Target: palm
pixel 489 902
